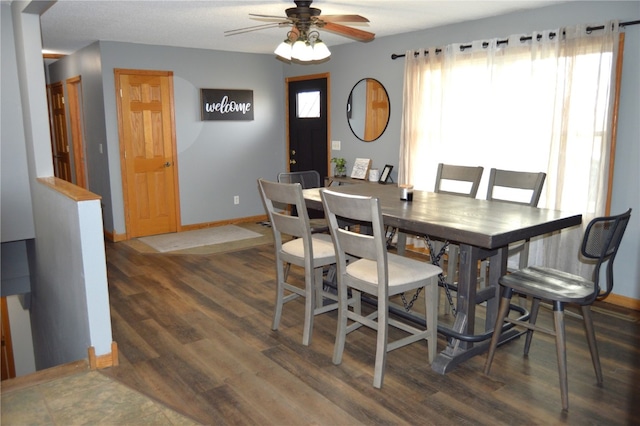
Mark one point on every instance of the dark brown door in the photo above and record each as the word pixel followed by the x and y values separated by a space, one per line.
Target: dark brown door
pixel 308 123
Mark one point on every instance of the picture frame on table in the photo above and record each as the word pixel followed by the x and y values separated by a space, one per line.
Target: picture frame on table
pixel 386 173
pixel 361 168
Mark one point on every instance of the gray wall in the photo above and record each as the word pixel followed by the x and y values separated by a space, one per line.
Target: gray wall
pixel 87 65
pixel 66 259
pixel 15 204
pixel 69 296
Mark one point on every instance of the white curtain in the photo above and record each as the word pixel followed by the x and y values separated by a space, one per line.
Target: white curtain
pixel 538 103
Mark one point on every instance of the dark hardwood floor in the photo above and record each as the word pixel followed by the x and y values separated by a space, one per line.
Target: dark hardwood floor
pixel 194 332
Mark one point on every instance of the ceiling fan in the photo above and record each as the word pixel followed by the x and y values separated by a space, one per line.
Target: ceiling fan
pixel 303 19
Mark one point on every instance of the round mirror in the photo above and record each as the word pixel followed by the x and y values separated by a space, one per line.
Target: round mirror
pixel 368 109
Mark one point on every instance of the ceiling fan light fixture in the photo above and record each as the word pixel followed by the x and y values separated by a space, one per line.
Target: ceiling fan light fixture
pixel 284 50
pixel 301 50
pixel 308 53
pixel 307 48
pixel 320 51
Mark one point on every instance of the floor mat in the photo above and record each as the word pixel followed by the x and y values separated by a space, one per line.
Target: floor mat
pixel 197 238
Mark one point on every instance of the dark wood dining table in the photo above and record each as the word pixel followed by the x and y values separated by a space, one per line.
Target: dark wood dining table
pixel 482 229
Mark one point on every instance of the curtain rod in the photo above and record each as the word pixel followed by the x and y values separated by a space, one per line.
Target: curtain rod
pixel 525 38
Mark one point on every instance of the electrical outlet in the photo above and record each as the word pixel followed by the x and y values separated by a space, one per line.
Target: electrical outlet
pixel 236 199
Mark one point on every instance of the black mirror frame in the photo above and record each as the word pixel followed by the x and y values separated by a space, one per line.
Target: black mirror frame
pixel 350 109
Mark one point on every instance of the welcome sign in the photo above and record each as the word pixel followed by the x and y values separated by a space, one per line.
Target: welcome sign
pixel 226 104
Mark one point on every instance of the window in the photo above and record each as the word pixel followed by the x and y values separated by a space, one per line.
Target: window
pixel 542 105
pixel 308 104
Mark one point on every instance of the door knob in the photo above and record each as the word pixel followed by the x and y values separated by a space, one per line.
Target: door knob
pixel 292 161
pixel 167 164
pixel 293 152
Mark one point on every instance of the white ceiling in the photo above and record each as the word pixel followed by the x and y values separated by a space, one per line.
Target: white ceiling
pixel 72 24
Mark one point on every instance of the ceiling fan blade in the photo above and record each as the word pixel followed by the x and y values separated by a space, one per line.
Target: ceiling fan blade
pixel 267 16
pixel 343 18
pixel 255 28
pixel 348 31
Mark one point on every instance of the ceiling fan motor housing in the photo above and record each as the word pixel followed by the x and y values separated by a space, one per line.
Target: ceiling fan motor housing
pixel 302 14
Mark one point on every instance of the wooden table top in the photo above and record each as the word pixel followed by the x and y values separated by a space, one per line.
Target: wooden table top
pixel 481 223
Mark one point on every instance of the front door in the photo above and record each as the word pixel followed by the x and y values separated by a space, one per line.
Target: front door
pixel 148 151
pixel 308 123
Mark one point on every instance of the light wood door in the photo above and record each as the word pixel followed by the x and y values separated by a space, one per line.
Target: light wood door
pixel 148 151
pixel 59 143
pixel 74 93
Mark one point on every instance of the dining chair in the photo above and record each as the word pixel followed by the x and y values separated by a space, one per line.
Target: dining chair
pixel 378 273
pixel 310 251
pixel 307 179
pixel 600 243
pixel 526 186
pixel 519 188
pixel 462 181
pixel 465 178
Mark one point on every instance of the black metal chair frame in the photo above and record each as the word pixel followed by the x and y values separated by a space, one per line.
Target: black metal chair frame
pixel 307 179
pixel 600 244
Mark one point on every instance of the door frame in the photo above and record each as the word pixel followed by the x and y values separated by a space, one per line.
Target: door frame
pixel 288 80
pixel 123 164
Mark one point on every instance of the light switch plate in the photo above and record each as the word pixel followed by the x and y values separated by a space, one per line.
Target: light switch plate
pixel 335 145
